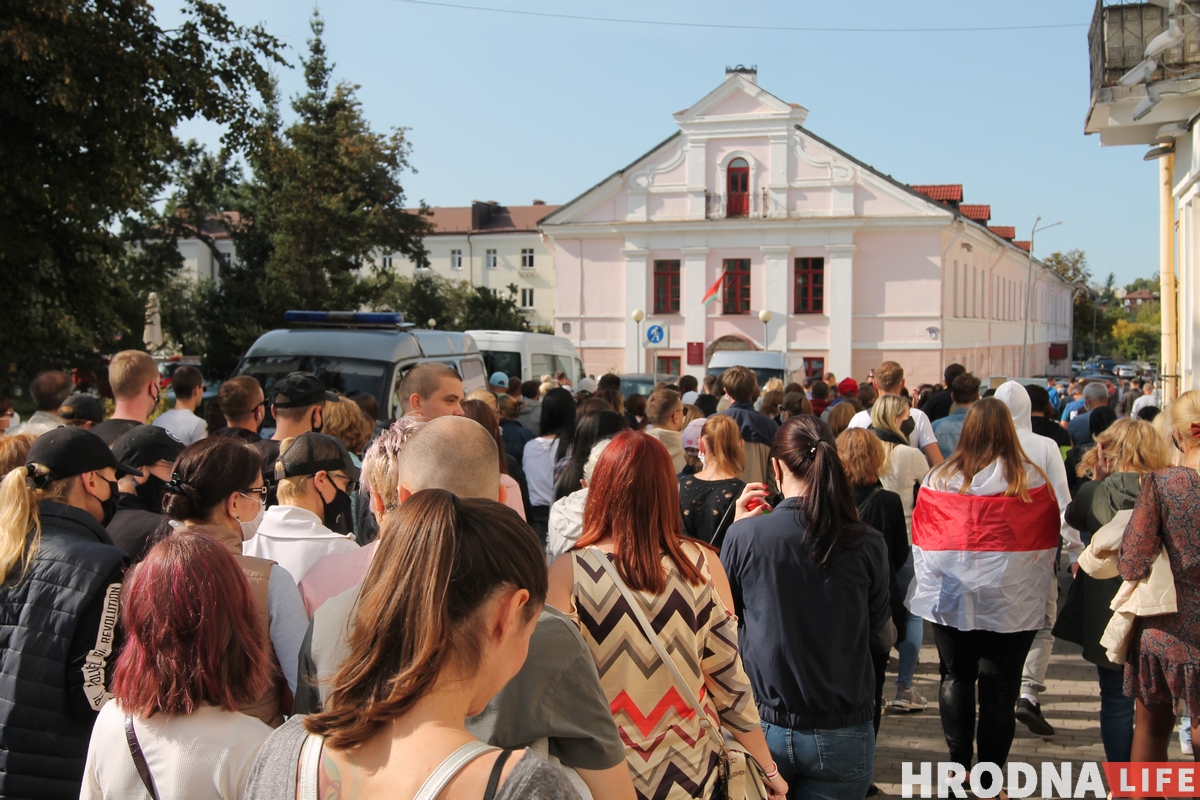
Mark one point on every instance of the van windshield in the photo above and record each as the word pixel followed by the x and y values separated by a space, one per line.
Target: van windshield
pixel 502 361
pixel 764 373
pixel 350 377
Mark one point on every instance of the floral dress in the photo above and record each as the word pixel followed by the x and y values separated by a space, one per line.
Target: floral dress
pixel 669 754
pixel 1163 661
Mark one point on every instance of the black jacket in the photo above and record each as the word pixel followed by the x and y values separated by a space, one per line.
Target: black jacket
pixel 57 619
pixel 939 405
pixel 804 633
pixel 133 526
pixel 883 511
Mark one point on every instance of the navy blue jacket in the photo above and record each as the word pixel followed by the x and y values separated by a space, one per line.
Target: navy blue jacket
pixel 755 426
pixel 805 633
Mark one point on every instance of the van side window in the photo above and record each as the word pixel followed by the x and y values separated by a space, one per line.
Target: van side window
pixel 471 370
pixel 541 364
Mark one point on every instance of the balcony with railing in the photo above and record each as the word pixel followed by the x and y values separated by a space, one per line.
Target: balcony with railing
pixel 754 205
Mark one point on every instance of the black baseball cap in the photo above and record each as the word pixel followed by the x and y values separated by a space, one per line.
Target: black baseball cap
pixel 146 444
pixel 310 453
pixel 81 408
pixel 300 389
pixel 72 451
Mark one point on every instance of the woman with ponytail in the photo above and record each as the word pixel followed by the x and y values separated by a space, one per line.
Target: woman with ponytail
pixel 216 487
pixel 59 599
pixel 442 623
pixel 810 588
pixel 985 532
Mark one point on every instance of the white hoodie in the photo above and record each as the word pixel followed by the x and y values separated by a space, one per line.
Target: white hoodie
pixel 1044 452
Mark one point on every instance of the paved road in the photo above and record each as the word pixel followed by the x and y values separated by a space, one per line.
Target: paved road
pixel 1071 704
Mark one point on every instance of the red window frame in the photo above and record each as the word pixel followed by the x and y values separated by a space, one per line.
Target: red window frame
pixel 809 278
pixel 666 286
pixel 737 186
pixel 814 368
pixel 668 366
pixel 736 285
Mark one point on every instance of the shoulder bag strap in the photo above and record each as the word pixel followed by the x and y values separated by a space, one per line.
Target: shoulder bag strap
pixel 866 503
pixel 310 765
pixel 636 607
pixel 454 764
pixel 494 779
pixel 139 759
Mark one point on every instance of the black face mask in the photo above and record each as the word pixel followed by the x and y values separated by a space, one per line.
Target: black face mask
pixel 110 505
pixel 339 516
pixel 908 426
pixel 151 493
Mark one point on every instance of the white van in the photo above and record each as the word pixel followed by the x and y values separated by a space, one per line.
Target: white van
pixel 528 356
pixel 765 364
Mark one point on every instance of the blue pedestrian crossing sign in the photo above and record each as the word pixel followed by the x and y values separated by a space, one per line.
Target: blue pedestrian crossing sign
pixel 655 334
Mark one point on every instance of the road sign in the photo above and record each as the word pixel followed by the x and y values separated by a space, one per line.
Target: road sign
pixel 657 336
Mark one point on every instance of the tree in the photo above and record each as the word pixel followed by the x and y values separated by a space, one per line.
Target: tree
pixel 1145 285
pixel 1136 340
pixel 455 305
pixel 90 94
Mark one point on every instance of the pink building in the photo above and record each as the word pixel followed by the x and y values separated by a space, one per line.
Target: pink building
pixel 853 266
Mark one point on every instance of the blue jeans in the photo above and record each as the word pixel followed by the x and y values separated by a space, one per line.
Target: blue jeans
pixel 1116 715
pixel 914 633
pixel 824 764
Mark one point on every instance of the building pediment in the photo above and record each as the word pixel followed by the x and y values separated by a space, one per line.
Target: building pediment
pixel 739 96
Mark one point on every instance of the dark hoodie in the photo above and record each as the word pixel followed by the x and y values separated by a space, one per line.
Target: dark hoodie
pixel 1087 613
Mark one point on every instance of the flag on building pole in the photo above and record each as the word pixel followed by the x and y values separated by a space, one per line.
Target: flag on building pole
pixel 714 290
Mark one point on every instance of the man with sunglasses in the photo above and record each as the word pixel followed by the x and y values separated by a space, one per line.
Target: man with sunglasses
pixel 315 476
pixel 242 402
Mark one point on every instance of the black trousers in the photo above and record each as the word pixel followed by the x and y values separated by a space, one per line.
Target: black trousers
pixel 994 661
pixel 880 662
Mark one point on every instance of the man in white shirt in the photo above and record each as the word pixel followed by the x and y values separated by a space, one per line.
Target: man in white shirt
pixel 1146 400
pixel 888 378
pixel 181 421
pixel 665 410
pixel 316 476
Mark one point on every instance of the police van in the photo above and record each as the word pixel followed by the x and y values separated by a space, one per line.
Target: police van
pixel 356 353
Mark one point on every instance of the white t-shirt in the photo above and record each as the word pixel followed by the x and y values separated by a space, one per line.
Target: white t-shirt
pixel 1144 401
pixel 921 435
pixel 902 473
pixel 183 425
pixel 538 465
pixel 202 756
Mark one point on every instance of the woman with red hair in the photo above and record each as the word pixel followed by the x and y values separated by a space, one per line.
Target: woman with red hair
pixel 194 654
pixel 631 526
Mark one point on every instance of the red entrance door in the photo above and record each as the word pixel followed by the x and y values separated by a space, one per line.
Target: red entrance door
pixel 738 187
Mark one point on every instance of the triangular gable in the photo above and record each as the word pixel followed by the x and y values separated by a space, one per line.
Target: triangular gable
pixel 580 205
pixel 738 95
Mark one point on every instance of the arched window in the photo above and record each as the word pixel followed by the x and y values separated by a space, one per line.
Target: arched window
pixel 738 188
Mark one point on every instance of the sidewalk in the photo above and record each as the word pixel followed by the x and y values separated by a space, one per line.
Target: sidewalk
pixel 1071 703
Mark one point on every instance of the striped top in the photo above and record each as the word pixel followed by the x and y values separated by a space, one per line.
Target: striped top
pixel 669 754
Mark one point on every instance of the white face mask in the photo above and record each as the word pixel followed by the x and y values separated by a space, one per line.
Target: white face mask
pixel 703 460
pixel 249 529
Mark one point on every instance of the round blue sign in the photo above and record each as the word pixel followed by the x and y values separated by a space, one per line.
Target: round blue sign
pixel 655 334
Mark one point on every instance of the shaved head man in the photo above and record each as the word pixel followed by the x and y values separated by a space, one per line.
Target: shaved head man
pixel 452 453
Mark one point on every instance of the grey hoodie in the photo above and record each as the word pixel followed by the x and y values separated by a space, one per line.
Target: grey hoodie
pixel 1043 452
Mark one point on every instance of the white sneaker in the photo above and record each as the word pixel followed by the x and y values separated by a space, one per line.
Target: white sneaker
pixel 1185 747
pixel 908 700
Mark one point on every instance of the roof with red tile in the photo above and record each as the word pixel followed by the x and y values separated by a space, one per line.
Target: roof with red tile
pixel 1140 294
pixel 1023 245
pixel 942 192
pixel 503 219
pixel 1003 231
pixel 979 213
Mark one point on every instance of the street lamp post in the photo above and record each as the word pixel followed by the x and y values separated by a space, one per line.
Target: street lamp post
pixel 637 316
pixel 765 315
pixel 1029 291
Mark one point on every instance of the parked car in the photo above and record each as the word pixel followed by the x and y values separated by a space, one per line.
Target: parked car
pixel 641 383
pixel 1126 371
pixel 357 353
pixel 528 356
pixel 766 364
pixel 1102 364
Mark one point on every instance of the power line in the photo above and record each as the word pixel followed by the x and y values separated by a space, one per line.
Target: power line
pixel 721 26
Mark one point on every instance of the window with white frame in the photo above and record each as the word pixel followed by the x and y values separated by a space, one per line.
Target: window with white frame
pixel 526 258
pixel 527 298
pixel 387 260
pixel 456 259
pixel 491 261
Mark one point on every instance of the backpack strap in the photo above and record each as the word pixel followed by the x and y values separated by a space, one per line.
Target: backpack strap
pixel 454 764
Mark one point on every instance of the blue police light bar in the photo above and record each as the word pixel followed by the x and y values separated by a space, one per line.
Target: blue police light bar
pixel 345 317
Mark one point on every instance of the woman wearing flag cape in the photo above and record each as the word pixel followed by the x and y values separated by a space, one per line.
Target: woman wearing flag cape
pixel 984 532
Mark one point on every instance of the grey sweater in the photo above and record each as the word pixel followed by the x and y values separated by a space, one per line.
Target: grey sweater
pixel 273 776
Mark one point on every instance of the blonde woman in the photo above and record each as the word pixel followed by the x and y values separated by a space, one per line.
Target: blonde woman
pixel 1115 468
pixel 348 423
pixel 903 470
pixel 1160 665
pixel 60 579
pixel 707 497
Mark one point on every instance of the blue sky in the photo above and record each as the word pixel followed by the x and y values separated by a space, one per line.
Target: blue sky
pixel 510 108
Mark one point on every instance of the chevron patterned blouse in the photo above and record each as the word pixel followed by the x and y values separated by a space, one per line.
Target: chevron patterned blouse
pixel 669 754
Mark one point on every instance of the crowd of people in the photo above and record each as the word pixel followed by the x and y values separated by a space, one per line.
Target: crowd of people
pixel 546 589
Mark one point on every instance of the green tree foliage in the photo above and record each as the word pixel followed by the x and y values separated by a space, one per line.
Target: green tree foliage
pixel 454 305
pixel 1150 284
pixel 89 95
pixel 1090 307
pixel 324 198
